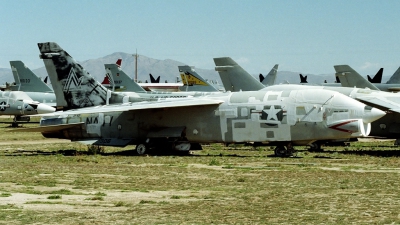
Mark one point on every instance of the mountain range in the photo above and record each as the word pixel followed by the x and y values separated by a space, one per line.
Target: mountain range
pixel 167 69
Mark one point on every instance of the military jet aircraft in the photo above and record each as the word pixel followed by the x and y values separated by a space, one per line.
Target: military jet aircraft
pixel 20 105
pixel 271 76
pixel 32 85
pixel 350 78
pixel 387 127
pixel 192 81
pixel 282 118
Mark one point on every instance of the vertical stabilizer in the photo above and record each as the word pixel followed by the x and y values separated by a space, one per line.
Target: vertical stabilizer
pixel 73 86
pixel 271 76
pixel 377 79
pixel 118 77
pixel 192 81
pixel 234 77
pixel 395 78
pixel 350 78
pixel 303 79
pixel 26 80
pixel 152 80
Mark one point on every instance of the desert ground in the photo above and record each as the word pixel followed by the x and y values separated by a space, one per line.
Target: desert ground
pixel 51 181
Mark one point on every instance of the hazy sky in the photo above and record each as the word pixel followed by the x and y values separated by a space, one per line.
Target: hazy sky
pixel 308 36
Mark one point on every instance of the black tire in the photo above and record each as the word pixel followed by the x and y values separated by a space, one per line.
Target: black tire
pixel 142 149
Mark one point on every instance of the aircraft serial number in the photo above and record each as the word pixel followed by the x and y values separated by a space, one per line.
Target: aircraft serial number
pixel 25 80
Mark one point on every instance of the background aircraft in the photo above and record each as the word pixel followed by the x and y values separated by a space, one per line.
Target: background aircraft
pixel 32 85
pixel 271 76
pixel 350 78
pixel 20 105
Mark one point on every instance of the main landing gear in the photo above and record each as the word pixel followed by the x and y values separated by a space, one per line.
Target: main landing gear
pixel 285 151
pixel 165 146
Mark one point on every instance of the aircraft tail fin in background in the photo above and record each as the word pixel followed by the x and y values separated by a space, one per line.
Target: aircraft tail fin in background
pixel 350 78
pixel 119 62
pixel 118 77
pixel 377 79
pixel 73 86
pixel 26 80
pixel 303 79
pixel 395 78
pixel 152 80
pixel 271 76
pixel 192 81
pixel 234 77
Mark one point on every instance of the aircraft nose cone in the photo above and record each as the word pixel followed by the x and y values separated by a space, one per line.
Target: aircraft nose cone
pixel 43 108
pixel 372 114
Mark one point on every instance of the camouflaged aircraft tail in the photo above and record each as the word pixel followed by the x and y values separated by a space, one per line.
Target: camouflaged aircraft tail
pixel 73 86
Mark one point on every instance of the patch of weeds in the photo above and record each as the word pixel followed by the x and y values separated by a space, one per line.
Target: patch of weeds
pixel 229 166
pixel 61 192
pixel 241 180
pixel 95 198
pixel 100 194
pixel 214 162
pixel 42 202
pixel 175 197
pixel 95 149
pixel 5 194
pixel 54 197
pixel 146 202
pixel 163 202
pixel 121 203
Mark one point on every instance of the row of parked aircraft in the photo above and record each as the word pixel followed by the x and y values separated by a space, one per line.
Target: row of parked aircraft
pixel 282 115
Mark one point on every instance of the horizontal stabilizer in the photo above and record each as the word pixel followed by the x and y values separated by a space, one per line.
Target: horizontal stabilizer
pixel 382 103
pixel 48 129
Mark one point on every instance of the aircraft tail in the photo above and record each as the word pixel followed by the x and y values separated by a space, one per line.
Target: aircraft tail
pixel 192 81
pixel 395 78
pixel 118 77
pixel 119 62
pixel 350 78
pixel 152 80
pixel 234 77
pixel 73 86
pixel 377 79
pixel 26 80
pixel 271 76
pixel 303 79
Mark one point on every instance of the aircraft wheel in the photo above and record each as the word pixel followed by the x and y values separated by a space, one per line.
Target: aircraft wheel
pixel 315 147
pixel 280 151
pixel 142 149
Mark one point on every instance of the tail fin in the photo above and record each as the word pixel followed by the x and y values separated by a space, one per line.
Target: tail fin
pixel 192 81
pixel 73 86
pixel 234 77
pixel 118 77
pixel 152 80
pixel 261 77
pixel 377 79
pixel 26 80
pixel 395 78
pixel 271 76
pixel 118 63
pixel 303 79
pixel 350 78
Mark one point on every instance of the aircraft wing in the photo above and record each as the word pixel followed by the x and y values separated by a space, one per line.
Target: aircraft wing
pixel 186 102
pixel 51 128
pixel 380 102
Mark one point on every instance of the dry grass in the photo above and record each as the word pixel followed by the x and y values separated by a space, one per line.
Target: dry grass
pixel 221 185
